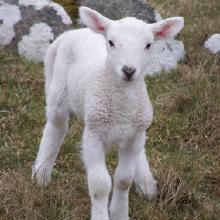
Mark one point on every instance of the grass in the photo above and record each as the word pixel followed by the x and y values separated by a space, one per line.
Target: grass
pixel 183 144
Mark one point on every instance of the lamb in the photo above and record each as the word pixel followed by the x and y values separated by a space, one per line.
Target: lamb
pixel 98 74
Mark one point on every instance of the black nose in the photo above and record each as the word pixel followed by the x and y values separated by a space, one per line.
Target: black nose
pixel 128 71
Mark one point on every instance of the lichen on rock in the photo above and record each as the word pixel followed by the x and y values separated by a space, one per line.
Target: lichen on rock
pixel 34 45
pixel 9 16
pixel 19 19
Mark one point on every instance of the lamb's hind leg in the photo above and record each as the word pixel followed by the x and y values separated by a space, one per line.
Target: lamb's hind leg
pixel 143 178
pixel 57 65
pixel 53 135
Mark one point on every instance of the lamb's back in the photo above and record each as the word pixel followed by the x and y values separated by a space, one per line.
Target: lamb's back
pixel 86 54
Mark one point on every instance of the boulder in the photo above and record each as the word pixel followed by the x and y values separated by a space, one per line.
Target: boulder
pixel 116 9
pixel 213 43
pixel 29 26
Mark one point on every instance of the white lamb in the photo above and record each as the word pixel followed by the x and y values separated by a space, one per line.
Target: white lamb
pixel 98 74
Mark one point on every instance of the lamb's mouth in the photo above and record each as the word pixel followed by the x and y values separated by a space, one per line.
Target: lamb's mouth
pixel 128 80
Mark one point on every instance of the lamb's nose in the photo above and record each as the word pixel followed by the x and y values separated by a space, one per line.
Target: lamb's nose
pixel 128 72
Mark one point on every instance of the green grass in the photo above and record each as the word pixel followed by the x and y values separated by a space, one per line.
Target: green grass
pixel 183 145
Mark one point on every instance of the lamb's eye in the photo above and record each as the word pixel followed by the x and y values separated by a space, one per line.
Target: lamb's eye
pixel 111 43
pixel 148 46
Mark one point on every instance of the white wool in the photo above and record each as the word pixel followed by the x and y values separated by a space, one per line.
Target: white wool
pixel 62 13
pixel 34 45
pixel 213 43
pixel 165 56
pixel 10 14
pixel 38 4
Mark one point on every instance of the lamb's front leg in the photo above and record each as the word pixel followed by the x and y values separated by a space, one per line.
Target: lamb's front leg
pixel 99 180
pixel 143 178
pixel 123 178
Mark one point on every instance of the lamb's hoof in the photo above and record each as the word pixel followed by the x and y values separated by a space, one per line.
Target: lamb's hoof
pixel 41 175
pixel 147 188
pixel 118 218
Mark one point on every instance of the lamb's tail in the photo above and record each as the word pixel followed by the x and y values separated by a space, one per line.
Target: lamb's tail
pixel 49 61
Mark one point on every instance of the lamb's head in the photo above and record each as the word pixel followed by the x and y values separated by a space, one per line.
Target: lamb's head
pixel 129 40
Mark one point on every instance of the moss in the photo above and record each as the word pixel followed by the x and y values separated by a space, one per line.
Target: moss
pixel 70 6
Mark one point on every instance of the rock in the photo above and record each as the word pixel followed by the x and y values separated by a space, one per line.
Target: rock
pixel 213 43
pixel 116 9
pixel 29 26
pixel 166 55
pixel 9 16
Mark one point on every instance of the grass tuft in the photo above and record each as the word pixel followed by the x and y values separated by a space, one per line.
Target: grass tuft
pixel 175 194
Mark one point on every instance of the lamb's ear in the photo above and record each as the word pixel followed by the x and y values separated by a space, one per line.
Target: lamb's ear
pixel 168 28
pixel 93 20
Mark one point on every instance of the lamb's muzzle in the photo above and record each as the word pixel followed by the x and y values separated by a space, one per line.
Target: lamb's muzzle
pixel 128 72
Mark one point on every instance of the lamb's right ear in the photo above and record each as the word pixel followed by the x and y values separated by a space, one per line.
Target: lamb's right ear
pixel 93 20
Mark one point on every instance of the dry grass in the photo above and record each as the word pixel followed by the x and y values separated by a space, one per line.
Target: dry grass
pixel 183 145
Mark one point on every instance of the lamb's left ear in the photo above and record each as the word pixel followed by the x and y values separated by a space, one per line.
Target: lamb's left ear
pixel 168 28
pixel 94 20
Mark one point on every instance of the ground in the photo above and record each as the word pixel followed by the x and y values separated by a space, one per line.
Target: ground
pixel 183 142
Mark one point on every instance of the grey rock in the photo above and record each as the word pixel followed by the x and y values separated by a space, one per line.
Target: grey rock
pixel 31 16
pixel 13 2
pixel 116 9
